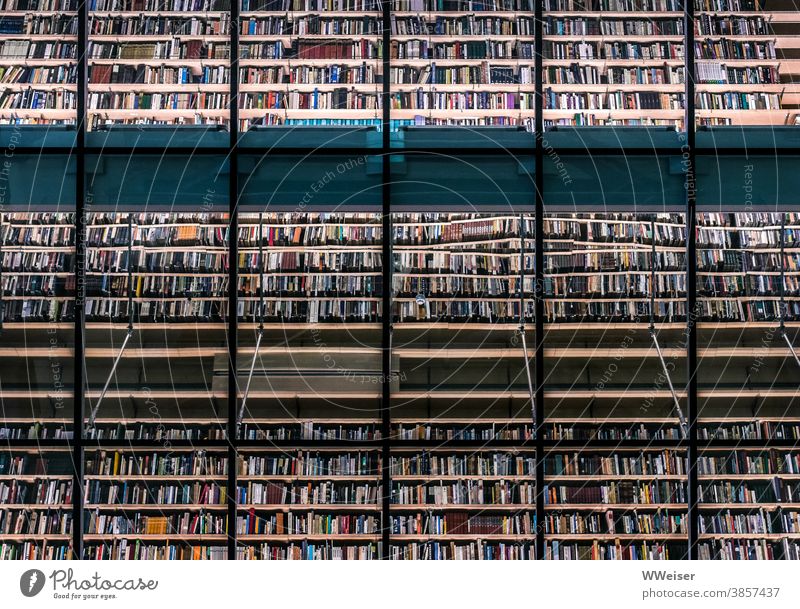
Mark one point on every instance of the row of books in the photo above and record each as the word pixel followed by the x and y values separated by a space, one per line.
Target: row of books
pixel 35 522
pixel 757 523
pixel 640 493
pixel 464 492
pixel 660 462
pixel 319 261
pixel 157 101
pixel 462 523
pixel 476 550
pixel 309 551
pixel 474 464
pixel 311 493
pixel 137 493
pixel 40 492
pixel 305 463
pixel 187 523
pixel 104 463
pixel 158 25
pixel 775 491
pixel 351 235
pixel 307 523
pixel 650 463
pixel 664 522
pixel 640 550
pixel 157 75
pixel 125 549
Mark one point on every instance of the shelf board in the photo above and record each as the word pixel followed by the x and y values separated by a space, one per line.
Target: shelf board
pixel 330 537
pixel 94 537
pixel 400 537
pixel 311 507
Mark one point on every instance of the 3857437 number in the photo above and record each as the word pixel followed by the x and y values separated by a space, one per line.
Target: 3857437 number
pixel 743 592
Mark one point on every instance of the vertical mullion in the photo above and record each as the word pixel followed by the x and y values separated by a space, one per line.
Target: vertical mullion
pixel 691 273
pixel 386 294
pixel 233 275
pixel 538 280
pixel 80 284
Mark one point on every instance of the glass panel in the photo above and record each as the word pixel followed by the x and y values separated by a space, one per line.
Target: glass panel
pixel 38 69
pixel 615 471
pixel 745 63
pixel 747 384
pixel 171 380
pixel 35 504
pixel 462 63
pixel 163 62
pixel 305 183
pixel 308 62
pixel 309 371
pixel 38 312
pixel 493 182
pixel 613 62
pixel 157 182
pixel 142 504
pixel 463 475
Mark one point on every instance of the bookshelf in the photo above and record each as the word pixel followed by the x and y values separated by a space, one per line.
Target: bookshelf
pixel 303 62
pixel 38 62
pixel 36 486
pixel 156 286
pixel 155 505
pixel 158 63
pixel 310 453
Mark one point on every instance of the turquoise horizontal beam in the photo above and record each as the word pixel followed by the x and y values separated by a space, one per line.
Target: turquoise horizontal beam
pixel 118 182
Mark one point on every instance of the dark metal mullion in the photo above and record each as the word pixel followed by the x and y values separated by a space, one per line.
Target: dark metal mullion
pixel 688 154
pixel 233 276
pixel 538 279
pixel 386 293
pixel 80 283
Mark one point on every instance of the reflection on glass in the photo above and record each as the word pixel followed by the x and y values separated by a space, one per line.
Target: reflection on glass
pixel 462 63
pixel 747 384
pixel 463 473
pixel 156 297
pixel 310 62
pixel 158 62
pixel 309 375
pixel 613 62
pixel 35 503
pixel 607 381
pixel 742 78
pixel 38 309
pixel 38 70
pixel 151 504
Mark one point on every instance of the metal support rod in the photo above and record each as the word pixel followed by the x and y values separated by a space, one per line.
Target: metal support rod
pixel 128 334
pixel 653 333
pixel 678 410
pixel 97 405
pixel 538 281
pixel 259 318
pixel 521 316
pixel 240 416
pixel 791 348
pixel 528 374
